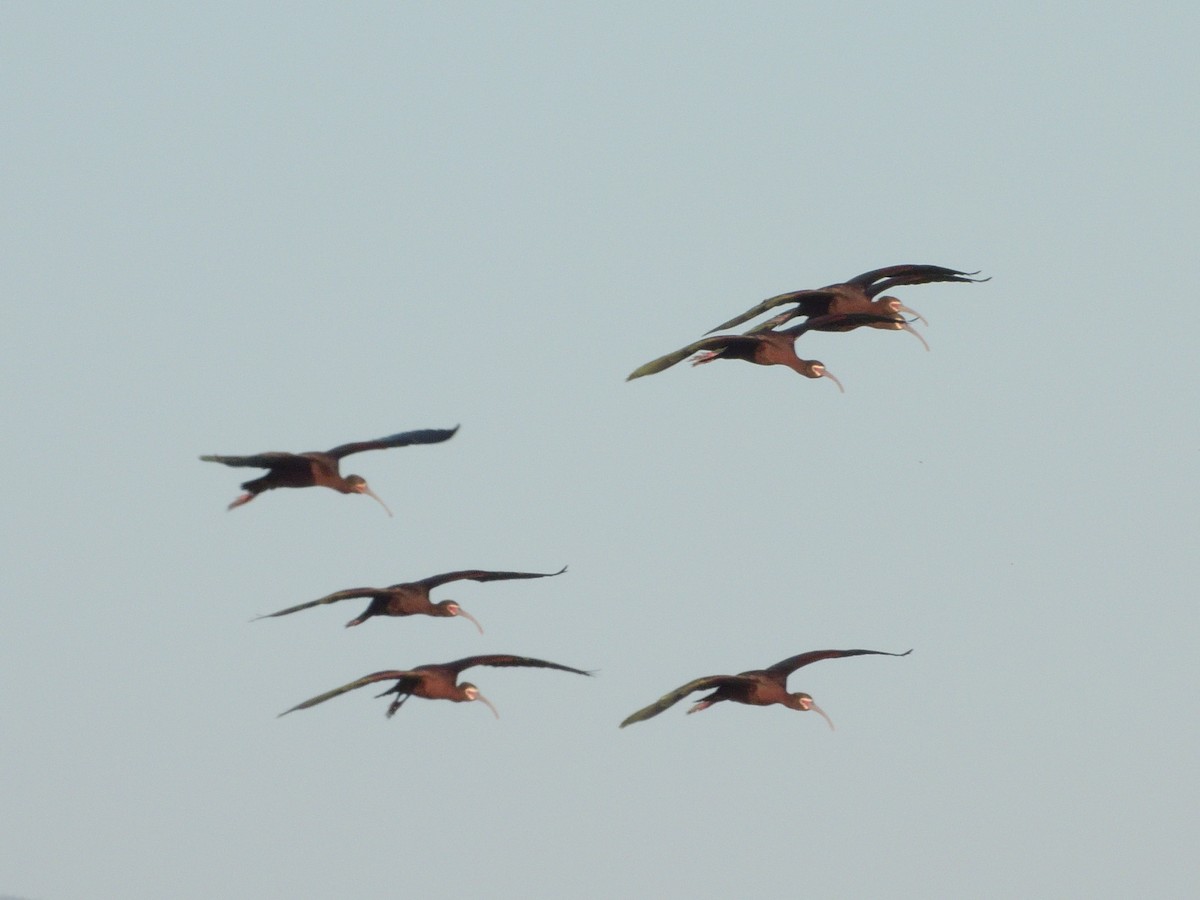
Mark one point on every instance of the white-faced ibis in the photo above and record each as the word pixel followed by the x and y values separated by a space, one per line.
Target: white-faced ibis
pixel 296 470
pixel 858 295
pixel 411 598
pixel 758 687
pixel 764 347
pixel 437 681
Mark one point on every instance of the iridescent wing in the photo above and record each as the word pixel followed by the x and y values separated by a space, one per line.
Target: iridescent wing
pixel 403 439
pixel 895 276
pixel 812 303
pixel 272 460
pixel 666 701
pixel 784 668
pixel 373 593
pixel 717 342
pixel 397 675
pixel 501 660
pixel 481 575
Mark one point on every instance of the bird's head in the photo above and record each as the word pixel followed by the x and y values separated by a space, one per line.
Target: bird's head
pixel 894 306
pixel 358 485
pixel 804 702
pixel 450 608
pixel 816 369
pixel 470 692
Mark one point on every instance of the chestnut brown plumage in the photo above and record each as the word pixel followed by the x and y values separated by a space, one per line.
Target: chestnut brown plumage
pixel 860 294
pixel 411 598
pixel 764 347
pixel 436 681
pixel 320 468
pixel 758 687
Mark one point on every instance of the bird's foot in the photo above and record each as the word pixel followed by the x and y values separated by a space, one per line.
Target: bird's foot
pixel 241 501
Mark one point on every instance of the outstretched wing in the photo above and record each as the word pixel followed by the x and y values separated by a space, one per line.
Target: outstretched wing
pixel 403 439
pixel 272 460
pixel 666 701
pixel 786 667
pixel 812 303
pixel 841 322
pixel 389 675
pixel 894 276
pixel 348 594
pixel 501 660
pixel 481 575
pixel 717 342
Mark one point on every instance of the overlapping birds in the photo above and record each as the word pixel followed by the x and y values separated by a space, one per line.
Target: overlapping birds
pixel 844 306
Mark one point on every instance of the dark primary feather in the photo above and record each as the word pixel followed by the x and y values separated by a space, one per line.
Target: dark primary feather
pixel 666 701
pixel 403 439
pixel 481 575
pixel 786 667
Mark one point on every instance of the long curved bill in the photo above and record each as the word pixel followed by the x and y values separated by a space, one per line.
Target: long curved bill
pixel 363 489
pixel 821 713
pixel 470 618
pixel 912 312
pixel 914 333
pixel 488 702
pixel 834 379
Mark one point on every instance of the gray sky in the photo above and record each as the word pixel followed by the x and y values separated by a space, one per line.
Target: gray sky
pixel 232 231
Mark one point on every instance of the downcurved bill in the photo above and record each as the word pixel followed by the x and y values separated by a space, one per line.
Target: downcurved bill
pixel 470 618
pixel 914 333
pixel 821 713
pixel 488 703
pixel 834 379
pixel 363 489
pixel 912 312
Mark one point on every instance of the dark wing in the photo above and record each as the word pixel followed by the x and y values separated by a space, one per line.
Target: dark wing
pixel 717 342
pixel 841 321
pixel 786 667
pixel 811 303
pixel 273 460
pixel 390 675
pixel 481 575
pixel 501 660
pixel 403 439
pixel 348 594
pixel 700 684
pixel 907 274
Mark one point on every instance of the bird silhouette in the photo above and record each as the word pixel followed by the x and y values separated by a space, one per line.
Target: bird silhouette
pixel 758 687
pixel 764 347
pixel 860 294
pixel 436 681
pixel 320 468
pixel 411 598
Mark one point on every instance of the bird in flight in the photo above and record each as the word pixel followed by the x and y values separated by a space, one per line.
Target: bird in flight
pixel 764 347
pixel 411 598
pixel 758 687
pixel 437 681
pixel 320 468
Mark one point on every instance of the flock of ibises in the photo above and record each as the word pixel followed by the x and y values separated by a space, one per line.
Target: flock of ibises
pixel 837 307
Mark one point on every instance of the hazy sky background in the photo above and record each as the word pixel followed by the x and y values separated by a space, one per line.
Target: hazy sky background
pixel 232 230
